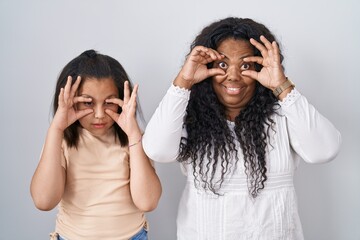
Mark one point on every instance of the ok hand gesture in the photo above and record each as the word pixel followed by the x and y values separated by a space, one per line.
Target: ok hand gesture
pixel 195 70
pixel 272 73
pixel 66 113
pixel 127 118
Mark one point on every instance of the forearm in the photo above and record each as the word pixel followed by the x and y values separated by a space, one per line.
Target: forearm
pixel 47 185
pixel 145 185
pixel 165 128
pixel 312 136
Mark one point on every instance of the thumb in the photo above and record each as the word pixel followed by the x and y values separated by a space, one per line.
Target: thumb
pixel 83 113
pixel 112 114
pixel 250 73
pixel 215 71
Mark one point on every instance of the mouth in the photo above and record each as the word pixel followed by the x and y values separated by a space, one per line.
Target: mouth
pixel 232 90
pixel 99 125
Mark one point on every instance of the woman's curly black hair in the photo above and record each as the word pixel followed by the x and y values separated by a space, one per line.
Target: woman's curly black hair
pixel 209 136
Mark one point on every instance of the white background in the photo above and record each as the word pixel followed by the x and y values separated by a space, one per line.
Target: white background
pixel 321 45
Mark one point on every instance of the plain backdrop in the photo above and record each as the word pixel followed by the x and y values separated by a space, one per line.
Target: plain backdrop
pixel 321 44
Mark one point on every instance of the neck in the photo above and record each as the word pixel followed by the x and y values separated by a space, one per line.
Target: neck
pixel 231 114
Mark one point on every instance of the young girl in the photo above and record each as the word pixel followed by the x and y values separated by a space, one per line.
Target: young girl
pixel 93 164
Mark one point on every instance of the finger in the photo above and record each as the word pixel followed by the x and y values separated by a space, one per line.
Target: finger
pixel 207 52
pixel 214 56
pixel 276 51
pixel 75 86
pixel 83 113
pixel 266 42
pixel 250 73
pixel 273 49
pixel 82 99
pixel 134 94
pixel 255 59
pixel 126 92
pixel 67 88
pixel 204 54
pixel 116 101
pixel 259 46
pixel 218 55
pixel 198 50
pixel 215 71
pixel 61 97
pixel 112 114
pixel 206 59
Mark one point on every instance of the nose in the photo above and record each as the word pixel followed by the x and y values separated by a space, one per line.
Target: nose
pixel 99 112
pixel 234 73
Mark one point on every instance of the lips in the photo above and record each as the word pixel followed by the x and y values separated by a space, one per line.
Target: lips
pixel 99 125
pixel 232 90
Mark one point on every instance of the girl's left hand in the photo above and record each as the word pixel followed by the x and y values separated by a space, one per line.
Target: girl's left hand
pixel 272 74
pixel 127 118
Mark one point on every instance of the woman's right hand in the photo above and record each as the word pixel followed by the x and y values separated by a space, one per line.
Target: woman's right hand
pixel 66 113
pixel 195 70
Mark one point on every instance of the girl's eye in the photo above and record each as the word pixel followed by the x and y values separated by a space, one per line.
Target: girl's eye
pixel 110 105
pixel 108 102
pixel 222 65
pixel 245 66
pixel 87 104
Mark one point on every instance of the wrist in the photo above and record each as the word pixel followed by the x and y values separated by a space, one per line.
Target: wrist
pixel 135 142
pixel 284 87
pixel 181 82
pixel 55 128
pixel 134 135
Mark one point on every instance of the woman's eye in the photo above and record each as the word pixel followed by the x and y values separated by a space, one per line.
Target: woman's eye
pixel 222 65
pixel 245 66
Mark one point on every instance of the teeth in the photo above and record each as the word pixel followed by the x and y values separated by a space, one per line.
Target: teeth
pixel 233 89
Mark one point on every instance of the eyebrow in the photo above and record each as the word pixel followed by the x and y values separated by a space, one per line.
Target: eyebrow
pixel 88 96
pixel 242 57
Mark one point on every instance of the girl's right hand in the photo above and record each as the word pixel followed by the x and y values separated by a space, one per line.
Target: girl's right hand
pixel 66 113
pixel 195 68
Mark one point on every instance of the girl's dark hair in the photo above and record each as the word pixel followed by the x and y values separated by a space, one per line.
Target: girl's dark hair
pixel 209 135
pixel 91 64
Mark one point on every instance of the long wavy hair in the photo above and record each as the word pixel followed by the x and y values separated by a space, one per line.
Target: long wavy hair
pixel 91 64
pixel 210 144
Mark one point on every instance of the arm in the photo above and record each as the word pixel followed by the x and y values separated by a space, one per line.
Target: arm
pixel 312 136
pixel 164 131
pixel 48 182
pixel 145 185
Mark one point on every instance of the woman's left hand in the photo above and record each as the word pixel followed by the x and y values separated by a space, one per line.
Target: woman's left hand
pixel 272 74
pixel 127 118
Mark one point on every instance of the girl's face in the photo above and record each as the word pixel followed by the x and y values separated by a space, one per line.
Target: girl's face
pixel 98 122
pixel 233 89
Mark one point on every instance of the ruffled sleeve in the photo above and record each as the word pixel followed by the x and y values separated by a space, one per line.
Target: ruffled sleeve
pixel 165 128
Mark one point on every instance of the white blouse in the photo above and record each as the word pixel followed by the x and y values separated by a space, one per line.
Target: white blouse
pixel 300 133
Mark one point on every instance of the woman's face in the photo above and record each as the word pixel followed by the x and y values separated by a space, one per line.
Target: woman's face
pixel 233 89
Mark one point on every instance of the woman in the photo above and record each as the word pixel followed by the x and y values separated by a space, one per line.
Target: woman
pixel 238 127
